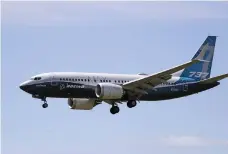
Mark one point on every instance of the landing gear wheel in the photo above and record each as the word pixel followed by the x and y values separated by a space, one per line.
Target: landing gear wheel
pixel 131 104
pixel 45 105
pixel 114 109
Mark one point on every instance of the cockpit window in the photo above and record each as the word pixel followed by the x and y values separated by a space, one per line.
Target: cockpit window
pixel 37 78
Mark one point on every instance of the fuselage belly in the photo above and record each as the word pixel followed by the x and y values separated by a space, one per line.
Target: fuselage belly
pixel 63 90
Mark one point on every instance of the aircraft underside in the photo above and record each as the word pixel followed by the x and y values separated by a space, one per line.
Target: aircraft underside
pixel 161 93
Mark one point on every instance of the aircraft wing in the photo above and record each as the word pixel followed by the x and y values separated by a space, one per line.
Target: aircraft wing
pixel 214 79
pixel 148 82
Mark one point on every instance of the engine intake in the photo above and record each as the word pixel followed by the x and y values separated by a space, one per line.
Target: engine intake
pixel 109 91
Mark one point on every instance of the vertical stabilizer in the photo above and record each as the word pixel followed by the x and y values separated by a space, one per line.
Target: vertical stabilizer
pixel 201 70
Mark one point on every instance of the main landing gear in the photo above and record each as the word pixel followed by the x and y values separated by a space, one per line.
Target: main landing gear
pixel 131 103
pixel 45 104
pixel 114 109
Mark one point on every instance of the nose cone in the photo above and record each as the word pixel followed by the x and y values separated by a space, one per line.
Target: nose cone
pixel 24 86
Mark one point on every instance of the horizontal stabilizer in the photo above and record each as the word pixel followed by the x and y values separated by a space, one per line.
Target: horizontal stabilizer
pixel 214 79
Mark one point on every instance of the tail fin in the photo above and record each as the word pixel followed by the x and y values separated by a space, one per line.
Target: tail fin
pixel 201 70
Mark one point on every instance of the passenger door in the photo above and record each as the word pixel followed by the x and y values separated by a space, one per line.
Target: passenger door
pixel 54 81
pixel 185 87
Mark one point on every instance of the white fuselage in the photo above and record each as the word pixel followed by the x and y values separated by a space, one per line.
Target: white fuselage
pixel 95 78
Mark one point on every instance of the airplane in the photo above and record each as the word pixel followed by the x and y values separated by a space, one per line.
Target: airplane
pixel 84 91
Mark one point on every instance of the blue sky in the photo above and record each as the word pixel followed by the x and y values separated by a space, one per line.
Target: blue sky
pixel 113 37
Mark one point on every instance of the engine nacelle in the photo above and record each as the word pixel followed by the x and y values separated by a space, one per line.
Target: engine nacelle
pixel 81 103
pixel 109 91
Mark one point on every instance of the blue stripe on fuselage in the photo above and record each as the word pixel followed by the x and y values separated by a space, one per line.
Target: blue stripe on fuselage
pixel 184 80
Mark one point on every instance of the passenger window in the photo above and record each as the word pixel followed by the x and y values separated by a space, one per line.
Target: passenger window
pixel 95 81
pixel 88 80
pixel 101 80
pixel 85 79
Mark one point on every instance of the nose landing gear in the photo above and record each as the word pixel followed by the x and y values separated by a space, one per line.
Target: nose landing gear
pixel 43 98
pixel 45 104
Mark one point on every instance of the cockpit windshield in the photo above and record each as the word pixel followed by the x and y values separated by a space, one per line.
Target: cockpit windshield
pixel 36 78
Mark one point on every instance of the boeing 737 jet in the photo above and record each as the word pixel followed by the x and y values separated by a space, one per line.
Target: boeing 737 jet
pixel 86 90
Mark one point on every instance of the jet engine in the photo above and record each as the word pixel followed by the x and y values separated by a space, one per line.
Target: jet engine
pixel 109 91
pixel 81 103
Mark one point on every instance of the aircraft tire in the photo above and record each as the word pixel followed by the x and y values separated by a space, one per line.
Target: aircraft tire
pixel 45 105
pixel 114 109
pixel 131 104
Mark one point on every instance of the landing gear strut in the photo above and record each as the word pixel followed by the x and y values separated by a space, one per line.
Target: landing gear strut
pixel 114 109
pixel 45 105
pixel 131 103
